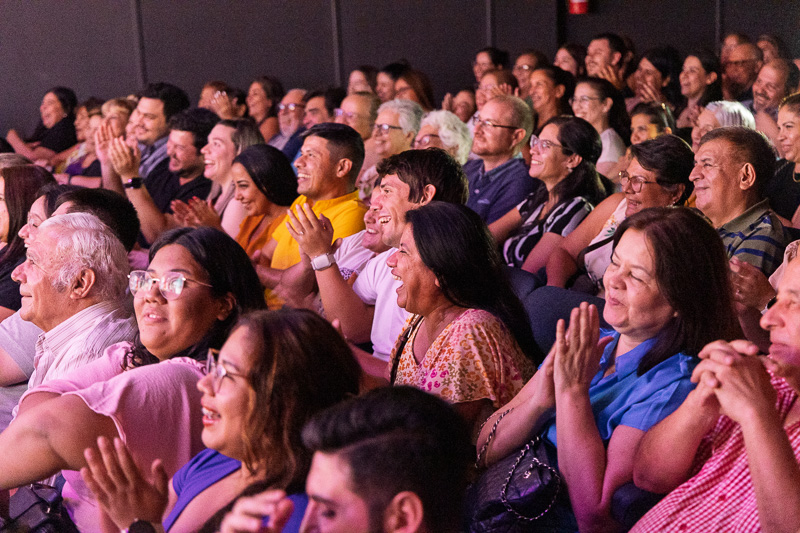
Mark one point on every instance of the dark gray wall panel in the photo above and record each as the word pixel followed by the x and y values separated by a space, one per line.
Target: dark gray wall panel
pixel 523 24
pixel 188 43
pixel 781 17
pixel 86 45
pixel 439 38
pixel 685 24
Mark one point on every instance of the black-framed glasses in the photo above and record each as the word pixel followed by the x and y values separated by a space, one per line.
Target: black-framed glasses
pixel 543 144
pixel 384 129
pixel 170 285
pixel 486 123
pixel 290 107
pixel 424 141
pixel 583 99
pixel 637 182
pixel 217 371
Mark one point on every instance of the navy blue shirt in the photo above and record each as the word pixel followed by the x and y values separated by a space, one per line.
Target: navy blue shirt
pixel 493 194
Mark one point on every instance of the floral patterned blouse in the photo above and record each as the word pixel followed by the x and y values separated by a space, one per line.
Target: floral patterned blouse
pixel 473 358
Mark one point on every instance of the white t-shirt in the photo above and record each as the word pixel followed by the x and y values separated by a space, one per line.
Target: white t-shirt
pixel 613 146
pixel 376 286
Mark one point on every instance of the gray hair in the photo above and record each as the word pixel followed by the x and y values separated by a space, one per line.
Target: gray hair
pixel 521 115
pixel 85 242
pixel 453 133
pixel 409 114
pixel 732 114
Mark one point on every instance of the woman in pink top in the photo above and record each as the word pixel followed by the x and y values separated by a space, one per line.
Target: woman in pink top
pixel 197 284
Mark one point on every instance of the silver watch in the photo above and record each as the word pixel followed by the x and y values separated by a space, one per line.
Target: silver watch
pixel 321 262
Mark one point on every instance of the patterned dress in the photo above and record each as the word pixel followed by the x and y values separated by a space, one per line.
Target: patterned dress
pixel 473 358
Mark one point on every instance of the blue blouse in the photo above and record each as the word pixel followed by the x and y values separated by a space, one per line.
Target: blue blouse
pixel 623 398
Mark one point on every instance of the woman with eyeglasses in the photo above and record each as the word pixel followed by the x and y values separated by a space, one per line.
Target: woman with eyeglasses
pixel 657 176
pixel 600 103
pixel 442 129
pixel 198 283
pixel 260 389
pixel 562 157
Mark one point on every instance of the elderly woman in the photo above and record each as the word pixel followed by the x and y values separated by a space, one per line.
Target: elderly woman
pixel 260 389
pixel 443 129
pixel 197 284
pixel 562 158
pixel 665 301
pixel 719 115
pixel 467 338
pixel 56 130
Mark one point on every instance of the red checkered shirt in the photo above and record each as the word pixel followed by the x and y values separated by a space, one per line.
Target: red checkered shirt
pixel 720 495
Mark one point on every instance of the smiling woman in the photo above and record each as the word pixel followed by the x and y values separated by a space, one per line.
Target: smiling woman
pixel 56 130
pixel 198 282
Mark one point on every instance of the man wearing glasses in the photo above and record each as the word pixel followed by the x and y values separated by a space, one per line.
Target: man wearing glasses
pixel 290 120
pixel 499 180
pixel 741 71
pixel 359 111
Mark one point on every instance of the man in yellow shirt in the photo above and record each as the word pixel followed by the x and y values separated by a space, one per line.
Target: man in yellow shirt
pixel 330 160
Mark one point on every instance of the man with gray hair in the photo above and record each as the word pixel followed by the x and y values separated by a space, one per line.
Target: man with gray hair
pixel 394 132
pixel 73 285
pixel 499 179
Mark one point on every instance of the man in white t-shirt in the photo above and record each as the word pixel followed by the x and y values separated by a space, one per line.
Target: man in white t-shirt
pixel 368 310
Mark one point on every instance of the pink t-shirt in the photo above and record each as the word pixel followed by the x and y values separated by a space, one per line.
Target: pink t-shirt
pixel 156 409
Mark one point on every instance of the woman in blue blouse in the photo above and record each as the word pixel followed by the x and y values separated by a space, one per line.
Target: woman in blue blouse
pixel 563 158
pixel 667 295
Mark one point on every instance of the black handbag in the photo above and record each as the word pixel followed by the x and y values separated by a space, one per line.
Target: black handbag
pixel 37 508
pixel 520 493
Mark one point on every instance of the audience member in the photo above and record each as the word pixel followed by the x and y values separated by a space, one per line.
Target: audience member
pixel 394 132
pixel 783 190
pixel 657 79
pixel 524 65
pixel 719 115
pixel 290 119
pixel 729 453
pixel 414 85
pixel 571 57
pixel 550 91
pixel 320 106
pixel 741 70
pixel 387 76
pixel 776 80
pixel 601 390
pixel 56 129
pixel 605 57
pixel 598 102
pixel 263 97
pixel 498 180
pixel 489 58
pixel 359 111
pixel 465 341
pixel 772 47
pixel 363 78
pixel 731 169
pixel 442 129
pixel 700 85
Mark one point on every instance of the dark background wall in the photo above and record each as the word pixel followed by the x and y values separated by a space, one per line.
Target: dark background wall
pixel 111 48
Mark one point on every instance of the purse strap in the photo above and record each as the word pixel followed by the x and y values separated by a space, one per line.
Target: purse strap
pixel 398 353
pixel 490 437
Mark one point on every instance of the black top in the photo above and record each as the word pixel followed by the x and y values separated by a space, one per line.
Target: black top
pixel 58 138
pixel 783 190
pixel 9 289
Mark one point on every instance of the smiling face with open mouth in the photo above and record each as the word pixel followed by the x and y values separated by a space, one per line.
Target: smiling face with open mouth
pixel 219 153
pixel 392 204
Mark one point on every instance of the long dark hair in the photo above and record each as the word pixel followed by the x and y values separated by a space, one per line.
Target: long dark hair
pixel 671 159
pixel 710 63
pixel 667 61
pixel 271 172
pixel 229 270
pixel 618 118
pixel 455 244
pixel 577 136
pixel 290 383
pixel 696 285
pixel 22 184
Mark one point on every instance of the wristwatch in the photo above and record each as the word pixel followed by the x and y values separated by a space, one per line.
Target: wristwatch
pixel 321 262
pixel 133 183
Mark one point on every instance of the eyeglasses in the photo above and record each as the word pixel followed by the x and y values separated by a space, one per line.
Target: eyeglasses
pixel 740 63
pixel 521 68
pixel 170 285
pixel 583 99
pixel 424 141
pixel 217 371
pixel 636 181
pixel 490 124
pixel 383 129
pixel 339 112
pixel 290 107
pixel 544 145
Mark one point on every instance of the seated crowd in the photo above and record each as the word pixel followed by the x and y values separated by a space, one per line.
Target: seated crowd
pixel 344 310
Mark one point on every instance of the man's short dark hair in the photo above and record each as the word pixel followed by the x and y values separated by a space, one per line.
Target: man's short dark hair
pixel 333 97
pixel 615 42
pixel 748 146
pixel 418 168
pixel 344 143
pixel 397 439
pixel 113 209
pixel 174 98
pixel 789 70
pixel 498 57
pixel 197 121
